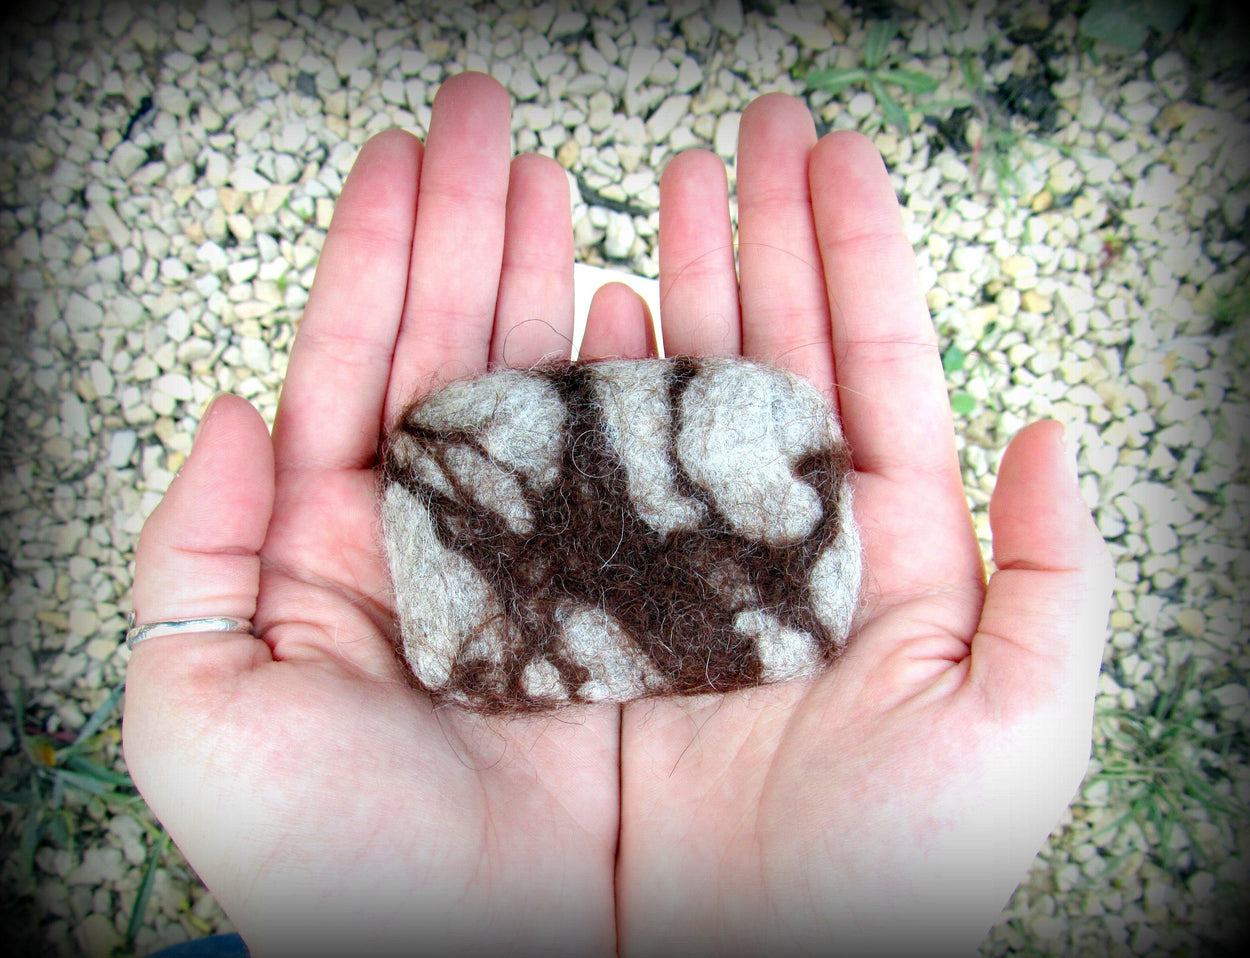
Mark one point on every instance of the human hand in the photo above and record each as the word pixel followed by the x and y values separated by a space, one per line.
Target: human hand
pixel 324 802
pixel 891 805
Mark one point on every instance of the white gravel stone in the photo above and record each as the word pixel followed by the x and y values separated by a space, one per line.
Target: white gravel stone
pixel 566 24
pixel 127 158
pixel 671 112
pixel 620 235
pixel 115 18
pixel 255 354
pixel 727 16
pixel 726 138
pixel 121 447
pixel 99 866
pixel 244 177
pixel 101 378
pixel 175 385
pixel 220 16
pixel 862 104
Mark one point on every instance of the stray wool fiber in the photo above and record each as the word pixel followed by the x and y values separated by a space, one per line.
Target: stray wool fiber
pixel 606 531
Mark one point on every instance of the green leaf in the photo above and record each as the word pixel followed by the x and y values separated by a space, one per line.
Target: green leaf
pixel 912 80
pixel 972 76
pixel 962 404
pixel 155 854
pixel 890 107
pixel 57 829
pixel 57 797
pixel 19 711
pixel 1165 15
pixel 1116 22
pixel 835 80
pixel 953 359
pixel 86 766
pixel 879 36
pixel 98 718
pixel 91 785
pixel 31 834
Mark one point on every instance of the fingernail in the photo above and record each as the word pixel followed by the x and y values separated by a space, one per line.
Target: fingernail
pixel 1070 448
pixel 208 409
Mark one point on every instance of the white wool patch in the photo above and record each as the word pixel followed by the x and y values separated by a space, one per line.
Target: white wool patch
pixel 513 414
pixel 731 419
pixel 441 600
pixel 596 641
pixel 832 602
pixel 784 653
pixel 636 415
pixel 490 483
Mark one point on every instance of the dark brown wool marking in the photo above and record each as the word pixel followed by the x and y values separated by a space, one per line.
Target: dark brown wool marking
pixel 675 595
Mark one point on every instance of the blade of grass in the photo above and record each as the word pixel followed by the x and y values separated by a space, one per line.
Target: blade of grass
pixel 84 766
pixel 32 832
pixel 97 719
pixel 155 853
pixel 19 712
pixel 910 80
pixel 893 112
pixel 91 785
pixel 835 80
pixel 878 38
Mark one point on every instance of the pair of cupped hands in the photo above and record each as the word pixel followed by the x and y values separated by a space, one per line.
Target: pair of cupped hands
pixel 890 804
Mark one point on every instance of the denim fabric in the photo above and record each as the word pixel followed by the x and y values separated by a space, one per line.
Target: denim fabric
pixel 218 946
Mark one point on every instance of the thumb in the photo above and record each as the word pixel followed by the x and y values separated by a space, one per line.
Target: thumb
pixel 198 556
pixel 1044 620
pixel 198 553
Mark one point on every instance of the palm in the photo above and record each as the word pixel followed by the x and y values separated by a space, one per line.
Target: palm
pixel 791 814
pixel 323 608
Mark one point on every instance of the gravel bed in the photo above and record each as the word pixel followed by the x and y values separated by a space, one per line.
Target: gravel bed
pixel 1080 213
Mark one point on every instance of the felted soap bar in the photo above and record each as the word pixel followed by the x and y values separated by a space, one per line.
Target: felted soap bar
pixel 604 531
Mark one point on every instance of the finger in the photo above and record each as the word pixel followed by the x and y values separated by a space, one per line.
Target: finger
pixel 698 279
pixel 534 314
pixel 457 249
pixel 330 413
pixel 198 554
pixel 1043 624
pixel 918 535
pixel 891 388
pixel 618 325
pixel 785 316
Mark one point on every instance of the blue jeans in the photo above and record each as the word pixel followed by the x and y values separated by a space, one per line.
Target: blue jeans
pixel 218 946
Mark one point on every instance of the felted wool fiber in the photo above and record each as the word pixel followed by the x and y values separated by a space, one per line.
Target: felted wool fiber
pixel 604 531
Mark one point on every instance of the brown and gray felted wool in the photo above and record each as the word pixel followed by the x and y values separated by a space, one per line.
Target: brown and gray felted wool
pixel 604 531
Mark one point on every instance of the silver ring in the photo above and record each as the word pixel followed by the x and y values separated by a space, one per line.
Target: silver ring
pixel 215 623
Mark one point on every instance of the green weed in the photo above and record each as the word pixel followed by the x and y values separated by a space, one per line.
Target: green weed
pixel 1126 23
pixel 875 76
pixel 962 403
pixel 61 778
pixel 1164 762
pixel 62 782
